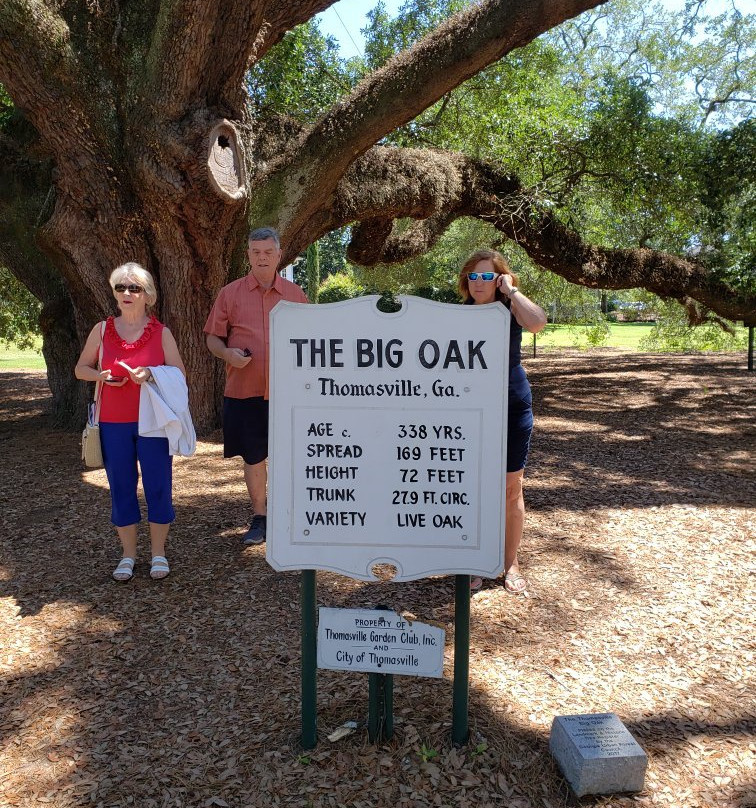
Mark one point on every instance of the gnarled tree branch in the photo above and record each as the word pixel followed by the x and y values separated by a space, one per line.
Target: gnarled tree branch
pixel 466 43
pixel 48 87
pixel 282 17
pixel 197 52
pixel 486 192
pixel 200 51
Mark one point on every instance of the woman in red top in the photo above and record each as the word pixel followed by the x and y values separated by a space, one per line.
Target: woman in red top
pixel 132 342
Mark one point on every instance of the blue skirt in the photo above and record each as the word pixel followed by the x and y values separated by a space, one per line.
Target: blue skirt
pixel 520 419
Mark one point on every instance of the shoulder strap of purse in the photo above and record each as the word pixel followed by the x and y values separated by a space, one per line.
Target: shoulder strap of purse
pixel 98 385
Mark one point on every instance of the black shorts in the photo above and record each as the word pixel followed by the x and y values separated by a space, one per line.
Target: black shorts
pixel 245 429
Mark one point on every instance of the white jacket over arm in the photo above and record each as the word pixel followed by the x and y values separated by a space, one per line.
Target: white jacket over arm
pixel 164 410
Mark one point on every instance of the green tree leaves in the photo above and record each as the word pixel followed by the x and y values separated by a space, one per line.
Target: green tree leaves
pixel 630 122
pixel 728 196
pixel 19 312
pixel 302 76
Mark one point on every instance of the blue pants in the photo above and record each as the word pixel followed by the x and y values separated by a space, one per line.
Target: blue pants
pixel 122 446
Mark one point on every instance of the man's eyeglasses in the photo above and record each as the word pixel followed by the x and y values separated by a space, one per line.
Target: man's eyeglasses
pixel 132 287
pixel 483 276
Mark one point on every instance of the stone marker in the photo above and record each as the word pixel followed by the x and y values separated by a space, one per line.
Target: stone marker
pixel 597 754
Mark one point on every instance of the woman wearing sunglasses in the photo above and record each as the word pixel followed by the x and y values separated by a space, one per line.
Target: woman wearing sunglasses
pixel 131 343
pixel 486 278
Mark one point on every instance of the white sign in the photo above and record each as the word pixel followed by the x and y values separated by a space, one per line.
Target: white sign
pixel 388 438
pixel 378 641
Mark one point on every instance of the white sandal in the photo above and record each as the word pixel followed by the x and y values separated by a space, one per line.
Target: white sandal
pixel 159 568
pixel 125 570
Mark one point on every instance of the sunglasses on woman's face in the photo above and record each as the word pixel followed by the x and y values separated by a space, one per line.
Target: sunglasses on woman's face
pixel 481 276
pixel 132 287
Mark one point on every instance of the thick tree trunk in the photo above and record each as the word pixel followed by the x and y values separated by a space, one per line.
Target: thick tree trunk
pixel 103 214
pixel 162 214
pixel 188 275
pixel 133 106
pixel 60 348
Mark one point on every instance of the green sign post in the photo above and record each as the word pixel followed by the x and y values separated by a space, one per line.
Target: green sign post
pixel 386 431
pixel 309 659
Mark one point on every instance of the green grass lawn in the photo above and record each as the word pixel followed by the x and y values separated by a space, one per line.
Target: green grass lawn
pixel 623 335
pixel 13 358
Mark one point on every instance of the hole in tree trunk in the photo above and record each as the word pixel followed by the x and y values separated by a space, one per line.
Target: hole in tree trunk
pixel 225 163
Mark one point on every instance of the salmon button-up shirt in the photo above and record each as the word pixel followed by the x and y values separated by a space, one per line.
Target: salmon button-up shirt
pixel 240 317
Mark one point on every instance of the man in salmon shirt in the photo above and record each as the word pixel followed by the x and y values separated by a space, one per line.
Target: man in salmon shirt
pixel 238 333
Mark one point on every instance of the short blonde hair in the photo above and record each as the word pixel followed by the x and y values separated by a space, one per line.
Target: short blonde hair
pixel 500 263
pixel 134 273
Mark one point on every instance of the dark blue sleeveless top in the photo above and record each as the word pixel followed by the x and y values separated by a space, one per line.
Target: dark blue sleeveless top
pixel 519 388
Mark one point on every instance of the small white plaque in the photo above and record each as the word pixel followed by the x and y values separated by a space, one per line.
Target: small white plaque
pixel 388 438
pixel 378 641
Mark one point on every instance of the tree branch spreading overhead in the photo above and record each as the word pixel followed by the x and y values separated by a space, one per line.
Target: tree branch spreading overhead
pixel 140 106
pixel 407 183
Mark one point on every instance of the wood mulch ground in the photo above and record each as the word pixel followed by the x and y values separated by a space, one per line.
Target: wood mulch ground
pixel 639 544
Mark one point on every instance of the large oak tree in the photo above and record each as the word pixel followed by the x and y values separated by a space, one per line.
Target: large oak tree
pixel 135 141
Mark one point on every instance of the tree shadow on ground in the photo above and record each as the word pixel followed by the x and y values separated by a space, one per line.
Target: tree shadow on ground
pixel 639 434
pixel 186 691
pixel 189 689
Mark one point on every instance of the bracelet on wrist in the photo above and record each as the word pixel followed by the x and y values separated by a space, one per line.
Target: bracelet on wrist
pixel 514 289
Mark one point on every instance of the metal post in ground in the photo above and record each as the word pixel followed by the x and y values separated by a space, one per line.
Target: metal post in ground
pixel 380 703
pixel 309 659
pixel 374 706
pixel 461 693
pixel 380 707
pixel 388 707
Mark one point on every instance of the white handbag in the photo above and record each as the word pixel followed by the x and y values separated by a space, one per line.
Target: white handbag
pixel 91 446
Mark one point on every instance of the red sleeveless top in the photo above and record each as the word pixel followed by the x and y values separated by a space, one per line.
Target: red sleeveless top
pixel 121 404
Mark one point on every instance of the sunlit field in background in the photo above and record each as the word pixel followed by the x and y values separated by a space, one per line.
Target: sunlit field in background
pixel 623 335
pixel 626 336
pixel 14 358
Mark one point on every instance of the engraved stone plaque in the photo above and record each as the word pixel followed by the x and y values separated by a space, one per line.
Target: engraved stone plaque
pixel 597 754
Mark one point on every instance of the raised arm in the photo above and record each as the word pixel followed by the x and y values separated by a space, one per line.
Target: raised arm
pixel 527 313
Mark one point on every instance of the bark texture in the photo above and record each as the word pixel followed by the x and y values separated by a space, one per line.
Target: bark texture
pixel 139 118
pixel 480 190
pixel 26 199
